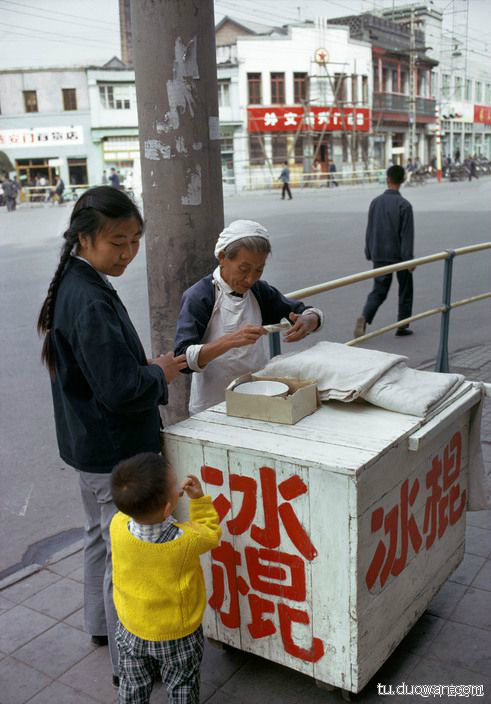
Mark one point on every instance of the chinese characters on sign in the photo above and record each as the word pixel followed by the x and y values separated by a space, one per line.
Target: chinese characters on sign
pixel 41 137
pixel 444 506
pixel 291 119
pixel 270 572
pixel 482 114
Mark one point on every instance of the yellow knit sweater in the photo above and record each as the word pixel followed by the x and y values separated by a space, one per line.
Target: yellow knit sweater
pixel 159 588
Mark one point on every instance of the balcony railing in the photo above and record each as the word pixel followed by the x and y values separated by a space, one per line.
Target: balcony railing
pixel 394 102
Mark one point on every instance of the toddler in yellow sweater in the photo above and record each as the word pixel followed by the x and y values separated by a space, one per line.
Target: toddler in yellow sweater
pixel 158 584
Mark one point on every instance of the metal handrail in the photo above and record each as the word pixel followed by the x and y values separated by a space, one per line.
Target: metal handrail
pixel 447 255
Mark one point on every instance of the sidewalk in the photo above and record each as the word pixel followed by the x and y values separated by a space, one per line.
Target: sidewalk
pixel 46 658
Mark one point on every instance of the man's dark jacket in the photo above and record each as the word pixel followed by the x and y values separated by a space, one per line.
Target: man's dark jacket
pixel 390 228
pixel 105 394
pixel 197 306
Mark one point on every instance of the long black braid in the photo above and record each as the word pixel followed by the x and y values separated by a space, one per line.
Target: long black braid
pixel 90 213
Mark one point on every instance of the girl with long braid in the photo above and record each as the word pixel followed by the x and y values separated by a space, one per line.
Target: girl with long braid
pixel 106 392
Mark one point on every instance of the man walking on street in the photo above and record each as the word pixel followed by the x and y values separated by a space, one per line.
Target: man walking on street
pixel 10 191
pixel 389 239
pixel 285 177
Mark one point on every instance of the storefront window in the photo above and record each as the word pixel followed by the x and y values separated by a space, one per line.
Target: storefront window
pixel 117 97
pixel 299 150
pixel 300 87
pixel 468 89
pixel 478 91
pixel 446 85
pixel 254 88
pixel 458 88
pixel 223 94
pixel 77 172
pixel 69 98
pixel 30 100
pixel 256 151
pixel 278 88
pixel 30 171
pixel 279 148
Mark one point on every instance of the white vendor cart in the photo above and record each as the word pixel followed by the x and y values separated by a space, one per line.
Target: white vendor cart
pixel 337 531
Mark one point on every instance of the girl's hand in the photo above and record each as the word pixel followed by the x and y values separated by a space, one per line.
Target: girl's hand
pixel 170 365
pixel 192 486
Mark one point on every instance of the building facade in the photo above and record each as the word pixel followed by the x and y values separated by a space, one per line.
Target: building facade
pixel 45 124
pixel 303 96
pixel 393 116
pixel 461 82
pixel 75 122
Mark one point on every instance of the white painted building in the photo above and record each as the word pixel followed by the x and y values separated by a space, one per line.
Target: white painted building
pixel 76 122
pixel 461 81
pixel 285 83
pixel 45 124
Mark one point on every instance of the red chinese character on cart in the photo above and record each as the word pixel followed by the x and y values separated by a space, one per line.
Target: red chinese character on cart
pixel 446 502
pixel 398 521
pixel 270 571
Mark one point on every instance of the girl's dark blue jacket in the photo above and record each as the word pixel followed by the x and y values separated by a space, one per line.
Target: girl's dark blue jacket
pixel 105 394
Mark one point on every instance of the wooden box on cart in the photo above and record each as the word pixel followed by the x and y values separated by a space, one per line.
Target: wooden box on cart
pixel 336 531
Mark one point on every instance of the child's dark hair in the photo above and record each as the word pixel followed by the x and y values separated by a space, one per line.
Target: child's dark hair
pixel 396 174
pixel 91 212
pixel 140 484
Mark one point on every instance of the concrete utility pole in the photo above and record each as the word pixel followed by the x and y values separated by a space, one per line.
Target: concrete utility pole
pixel 412 88
pixel 176 87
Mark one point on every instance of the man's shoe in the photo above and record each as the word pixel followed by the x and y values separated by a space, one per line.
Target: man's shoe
pixel 115 681
pixel 402 332
pixel 360 327
pixel 99 640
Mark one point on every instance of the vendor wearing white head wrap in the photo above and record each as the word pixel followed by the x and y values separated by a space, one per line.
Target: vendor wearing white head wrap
pixel 220 322
pixel 237 230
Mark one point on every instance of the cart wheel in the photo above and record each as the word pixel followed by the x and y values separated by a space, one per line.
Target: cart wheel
pixel 225 647
pixel 326 687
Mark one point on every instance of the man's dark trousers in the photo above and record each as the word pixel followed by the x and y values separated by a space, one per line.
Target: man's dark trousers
pixel 286 189
pixel 381 286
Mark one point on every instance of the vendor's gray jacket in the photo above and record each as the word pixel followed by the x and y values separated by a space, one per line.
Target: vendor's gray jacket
pixel 390 228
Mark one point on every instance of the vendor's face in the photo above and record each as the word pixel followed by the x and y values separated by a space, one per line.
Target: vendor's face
pixel 241 272
pixel 114 246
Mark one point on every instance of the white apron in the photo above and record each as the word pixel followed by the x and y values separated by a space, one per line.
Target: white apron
pixel 229 314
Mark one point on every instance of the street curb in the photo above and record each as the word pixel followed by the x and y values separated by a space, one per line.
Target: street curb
pixel 66 552
pixel 20 575
pixel 37 567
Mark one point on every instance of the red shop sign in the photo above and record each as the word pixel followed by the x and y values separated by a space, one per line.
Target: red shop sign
pixel 291 119
pixel 482 114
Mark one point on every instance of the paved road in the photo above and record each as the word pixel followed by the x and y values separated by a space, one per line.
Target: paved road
pixel 316 237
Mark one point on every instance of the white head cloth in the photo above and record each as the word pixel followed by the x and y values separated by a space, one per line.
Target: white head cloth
pixel 237 230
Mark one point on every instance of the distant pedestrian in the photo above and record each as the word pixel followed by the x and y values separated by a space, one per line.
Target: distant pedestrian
pixel 159 588
pixel 59 190
pixel 472 168
pixel 106 393
pixel 331 176
pixel 389 239
pixel 104 178
pixel 10 191
pixel 114 179
pixel 285 178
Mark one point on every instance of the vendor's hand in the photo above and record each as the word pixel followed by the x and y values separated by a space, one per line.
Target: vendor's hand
pixel 246 335
pixel 302 325
pixel 170 365
pixel 413 268
pixel 192 486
